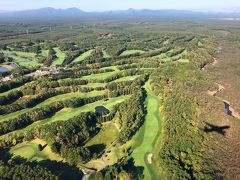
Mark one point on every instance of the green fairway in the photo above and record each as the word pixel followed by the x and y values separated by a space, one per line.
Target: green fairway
pixel 9 91
pixel 83 56
pixel 160 56
pixel 106 136
pixel 106 55
pixel 183 61
pixel 60 57
pixel 62 97
pixel 68 113
pixel 50 100
pixel 130 52
pixel 127 78
pixel 22 54
pixel 30 151
pixel 44 53
pixel 145 139
pixel 99 76
pixel 24 61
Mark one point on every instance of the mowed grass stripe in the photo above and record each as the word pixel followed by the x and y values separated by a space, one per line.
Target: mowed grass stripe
pixel 130 52
pixel 68 113
pixel 60 57
pixel 99 76
pixel 145 139
pixel 83 56
pixel 50 100
pixel 31 152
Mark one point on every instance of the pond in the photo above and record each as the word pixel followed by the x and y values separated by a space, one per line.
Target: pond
pixel 13 65
pixel 102 110
pixel 227 107
pixel 3 69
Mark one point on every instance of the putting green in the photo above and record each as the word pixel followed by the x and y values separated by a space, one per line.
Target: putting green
pixel 145 139
pixel 30 151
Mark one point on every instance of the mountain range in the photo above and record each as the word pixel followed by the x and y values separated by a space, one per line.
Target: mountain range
pixel 75 12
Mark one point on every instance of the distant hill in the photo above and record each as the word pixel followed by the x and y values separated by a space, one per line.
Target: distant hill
pixel 75 12
pixel 45 12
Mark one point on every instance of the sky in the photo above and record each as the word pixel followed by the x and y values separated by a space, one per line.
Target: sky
pixel 103 5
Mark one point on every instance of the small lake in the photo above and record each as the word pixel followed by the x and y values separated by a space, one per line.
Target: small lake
pixel 4 69
pixel 102 110
pixel 13 65
pixel 227 107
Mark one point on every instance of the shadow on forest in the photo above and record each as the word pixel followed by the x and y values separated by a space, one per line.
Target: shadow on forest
pixel 213 128
pixel 97 149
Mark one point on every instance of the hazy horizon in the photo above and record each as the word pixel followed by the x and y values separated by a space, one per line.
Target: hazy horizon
pixel 107 5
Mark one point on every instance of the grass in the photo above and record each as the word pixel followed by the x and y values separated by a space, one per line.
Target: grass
pixel 130 52
pixel 30 151
pixel 183 61
pixel 145 139
pixel 22 61
pixel 62 97
pixel 68 113
pixel 23 54
pixel 111 67
pixel 160 56
pixel 99 76
pixel 44 53
pixel 106 55
pixel 106 136
pixel 50 100
pixel 60 57
pixel 127 78
pixel 83 56
pixel 9 91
